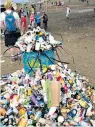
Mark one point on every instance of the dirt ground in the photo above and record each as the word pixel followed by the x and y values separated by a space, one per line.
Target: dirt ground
pixel 78 38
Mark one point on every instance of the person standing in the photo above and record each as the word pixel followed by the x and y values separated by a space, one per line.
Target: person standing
pixel 59 3
pixel 68 10
pixel 32 19
pixel 40 5
pixel 23 24
pixel 21 12
pixel 38 19
pixel 32 9
pixel 62 3
pixel 10 23
pixel 45 20
pixel 27 12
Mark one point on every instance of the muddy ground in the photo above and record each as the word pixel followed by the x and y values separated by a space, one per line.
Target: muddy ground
pixel 78 38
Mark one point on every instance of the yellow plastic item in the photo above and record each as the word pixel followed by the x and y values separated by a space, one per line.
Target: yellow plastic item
pixel 22 122
pixel 78 97
pixel 44 69
pixel 29 92
pixel 22 111
pixel 41 33
pixel 83 103
pixel 64 110
pixel 57 74
pixel 90 93
pixel 71 82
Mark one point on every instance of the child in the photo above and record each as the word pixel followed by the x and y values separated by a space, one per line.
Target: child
pixel 23 24
pixel 32 19
pixel 37 19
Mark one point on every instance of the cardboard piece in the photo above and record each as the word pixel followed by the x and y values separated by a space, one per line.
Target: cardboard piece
pixel 55 93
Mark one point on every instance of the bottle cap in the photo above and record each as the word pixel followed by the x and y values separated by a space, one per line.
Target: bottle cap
pixel 60 119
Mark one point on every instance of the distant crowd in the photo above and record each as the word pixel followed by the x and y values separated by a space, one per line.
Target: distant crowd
pixel 29 17
pixel 58 3
pixel 14 23
pixel 34 18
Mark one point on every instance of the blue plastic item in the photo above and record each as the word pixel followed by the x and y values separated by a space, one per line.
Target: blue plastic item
pixel 32 62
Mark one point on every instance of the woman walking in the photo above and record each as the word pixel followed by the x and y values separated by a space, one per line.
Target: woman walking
pixel 10 23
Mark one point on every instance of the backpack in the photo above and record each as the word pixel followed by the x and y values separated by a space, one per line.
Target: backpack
pixel 10 22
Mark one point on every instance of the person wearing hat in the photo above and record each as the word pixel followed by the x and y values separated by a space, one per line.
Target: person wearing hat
pixel 38 19
pixel 10 23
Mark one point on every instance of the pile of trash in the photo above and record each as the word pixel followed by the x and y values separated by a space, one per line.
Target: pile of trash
pixel 37 39
pixel 58 97
pixel 54 97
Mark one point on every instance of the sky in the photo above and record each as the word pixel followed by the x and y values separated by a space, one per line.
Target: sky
pixel 17 1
